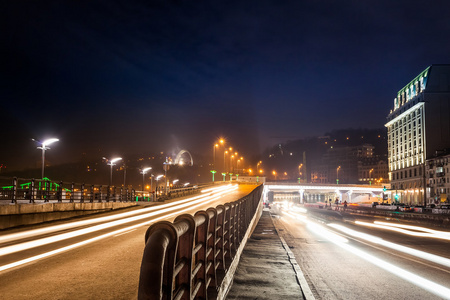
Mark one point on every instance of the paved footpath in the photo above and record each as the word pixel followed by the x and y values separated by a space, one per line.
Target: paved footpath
pixel 267 269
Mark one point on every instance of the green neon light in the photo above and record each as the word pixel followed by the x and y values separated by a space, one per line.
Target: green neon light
pixel 423 74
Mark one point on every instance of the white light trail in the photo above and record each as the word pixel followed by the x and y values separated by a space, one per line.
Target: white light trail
pixel 56 238
pixel 420 254
pixel 417 280
pixel 109 234
pixel 419 231
pixel 50 229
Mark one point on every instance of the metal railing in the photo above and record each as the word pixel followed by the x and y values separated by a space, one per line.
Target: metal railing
pixel 189 258
pixel 14 190
pixel 42 191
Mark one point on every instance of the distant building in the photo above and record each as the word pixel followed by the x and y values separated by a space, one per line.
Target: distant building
pixel 418 126
pixel 438 179
pixel 351 165
pixel 373 171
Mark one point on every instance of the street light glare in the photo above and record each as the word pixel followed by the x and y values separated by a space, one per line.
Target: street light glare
pixel 49 141
pixel 146 169
pixel 116 159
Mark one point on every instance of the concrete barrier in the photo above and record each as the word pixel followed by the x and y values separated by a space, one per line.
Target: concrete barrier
pixel 26 214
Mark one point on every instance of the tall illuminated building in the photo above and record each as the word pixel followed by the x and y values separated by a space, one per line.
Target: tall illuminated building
pixel 418 127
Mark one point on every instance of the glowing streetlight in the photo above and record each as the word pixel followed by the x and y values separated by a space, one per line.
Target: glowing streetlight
pixel 214 155
pixel 175 181
pixel 157 180
pixel 274 173
pixel 224 161
pixel 370 176
pixel 44 147
pixel 337 174
pixel 111 163
pixel 257 165
pixel 143 172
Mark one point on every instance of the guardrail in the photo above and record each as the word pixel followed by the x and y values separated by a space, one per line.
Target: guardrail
pixel 192 257
pixel 22 191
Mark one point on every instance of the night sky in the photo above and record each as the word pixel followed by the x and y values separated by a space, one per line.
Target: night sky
pixel 122 77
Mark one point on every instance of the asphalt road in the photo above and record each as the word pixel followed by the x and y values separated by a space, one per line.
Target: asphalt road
pixel 91 257
pixel 344 260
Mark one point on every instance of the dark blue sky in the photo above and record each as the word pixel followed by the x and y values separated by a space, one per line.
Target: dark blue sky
pixel 139 76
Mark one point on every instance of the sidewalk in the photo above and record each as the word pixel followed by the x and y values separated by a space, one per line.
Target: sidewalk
pixel 267 268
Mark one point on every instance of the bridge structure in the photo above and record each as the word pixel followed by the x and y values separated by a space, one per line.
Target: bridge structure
pixel 310 192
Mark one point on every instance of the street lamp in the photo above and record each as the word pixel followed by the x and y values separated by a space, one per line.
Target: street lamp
pixel 214 155
pixel 157 180
pixel 224 161
pixel 300 172
pixel 257 165
pixel 144 171
pixel 112 163
pixel 370 176
pixel 44 147
pixel 337 174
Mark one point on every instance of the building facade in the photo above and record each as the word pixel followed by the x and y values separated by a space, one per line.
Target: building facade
pixel 438 179
pixel 418 126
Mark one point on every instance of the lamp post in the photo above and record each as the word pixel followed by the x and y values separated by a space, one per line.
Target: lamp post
pixel 257 166
pixel 224 161
pixel 370 176
pixel 214 155
pixel 44 147
pixel 300 172
pixel 144 171
pixel 157 180
pixel 112 163
pixel 337 174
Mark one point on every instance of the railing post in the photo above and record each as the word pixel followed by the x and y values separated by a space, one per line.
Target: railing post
pixel 92 193
pixel 82 193
pixel 220 238
pixel 100 194
pixel 45 191
pixel 59 193
pixel 14 191
pixel 32 190
pixel 72 192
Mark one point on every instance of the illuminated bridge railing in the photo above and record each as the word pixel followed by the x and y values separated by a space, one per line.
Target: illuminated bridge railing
pixel 195 256
pixel 22 191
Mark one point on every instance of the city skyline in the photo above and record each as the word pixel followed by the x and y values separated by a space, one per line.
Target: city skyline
pixel 167 76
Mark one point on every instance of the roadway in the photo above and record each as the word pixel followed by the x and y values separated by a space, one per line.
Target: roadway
pixel 350 257
pixel 95 257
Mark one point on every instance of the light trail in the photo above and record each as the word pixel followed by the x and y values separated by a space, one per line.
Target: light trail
pixel 50 229
pixel 419 231
pixel 417 280
pixel 64 236
pixel 420 254
pixel 97 238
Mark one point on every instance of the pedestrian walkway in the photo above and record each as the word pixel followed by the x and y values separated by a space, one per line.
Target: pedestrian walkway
pixel 267 268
